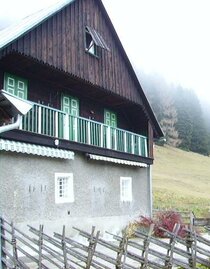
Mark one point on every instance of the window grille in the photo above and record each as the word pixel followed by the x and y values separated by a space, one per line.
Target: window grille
pixel 64 192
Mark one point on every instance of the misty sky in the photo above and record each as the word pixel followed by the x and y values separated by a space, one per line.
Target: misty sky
pixel 169 37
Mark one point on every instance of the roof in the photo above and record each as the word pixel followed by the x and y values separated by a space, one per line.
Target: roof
pixel 16 30
pixel 10 34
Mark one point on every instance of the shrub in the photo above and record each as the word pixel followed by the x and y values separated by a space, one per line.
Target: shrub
pixel 166 220
pixel 131 228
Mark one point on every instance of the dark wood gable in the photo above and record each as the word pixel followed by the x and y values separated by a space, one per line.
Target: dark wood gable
pixel 60 42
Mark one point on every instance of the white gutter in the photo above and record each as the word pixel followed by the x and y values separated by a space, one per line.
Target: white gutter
pixel 12 126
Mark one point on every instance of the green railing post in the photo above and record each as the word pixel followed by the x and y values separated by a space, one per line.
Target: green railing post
pixel 56 123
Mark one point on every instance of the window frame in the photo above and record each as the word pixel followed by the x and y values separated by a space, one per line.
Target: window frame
pixel 93 49
pixel 111 116
pixel 71 107
pixel 70 188
pixel 16 87
pixel 95 43
pixel 126 195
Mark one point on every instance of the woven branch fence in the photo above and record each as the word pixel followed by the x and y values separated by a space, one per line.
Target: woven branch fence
pixel 36 249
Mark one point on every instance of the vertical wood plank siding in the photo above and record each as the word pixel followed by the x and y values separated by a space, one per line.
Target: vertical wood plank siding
pixel 150 141
pixel 59 41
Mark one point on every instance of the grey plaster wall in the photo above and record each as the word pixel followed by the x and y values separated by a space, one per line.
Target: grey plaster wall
pixel 27 192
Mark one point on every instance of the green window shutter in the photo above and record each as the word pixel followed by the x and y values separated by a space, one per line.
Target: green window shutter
pixel 70 105
pixel 16 85
pixel 10 85
pixel 74 107
pixel 66 104
pixel 110 118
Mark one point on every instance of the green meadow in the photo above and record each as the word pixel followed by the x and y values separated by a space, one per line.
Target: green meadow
pixel 181 181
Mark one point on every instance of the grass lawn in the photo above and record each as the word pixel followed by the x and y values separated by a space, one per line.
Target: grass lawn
pixel 181 181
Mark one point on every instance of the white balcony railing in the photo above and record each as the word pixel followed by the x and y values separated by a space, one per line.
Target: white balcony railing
pixel 52 122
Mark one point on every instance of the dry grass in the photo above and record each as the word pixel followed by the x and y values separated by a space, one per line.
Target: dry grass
pixel 181 180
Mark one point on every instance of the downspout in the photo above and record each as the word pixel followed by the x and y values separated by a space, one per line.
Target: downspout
pixel 150 191
pixel 12 126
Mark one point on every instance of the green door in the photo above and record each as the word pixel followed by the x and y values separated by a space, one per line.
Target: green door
pixel 110 118
pixel 70 105
pixel 16 85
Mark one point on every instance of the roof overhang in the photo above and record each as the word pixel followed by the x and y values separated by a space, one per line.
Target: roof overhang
pixel 13 146
pixel 114 160
pixel 25 25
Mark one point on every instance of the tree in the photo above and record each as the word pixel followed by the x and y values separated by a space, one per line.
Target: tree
pixel 168 121
pixel 190 123
pixel 161 99
pixel 179 113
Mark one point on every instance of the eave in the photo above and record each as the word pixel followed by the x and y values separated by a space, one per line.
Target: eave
pixel 44 140
pixel 28 66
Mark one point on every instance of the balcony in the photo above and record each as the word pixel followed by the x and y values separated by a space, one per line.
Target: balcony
pixel 55 123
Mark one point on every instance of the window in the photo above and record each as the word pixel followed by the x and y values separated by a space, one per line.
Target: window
pixel 110 118
pixel 16 85
pixel 64 191
pixel 90 46
pixel 94 41
pixel 126 189
pixel 70 105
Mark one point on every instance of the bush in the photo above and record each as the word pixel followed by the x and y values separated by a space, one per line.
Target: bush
pixel 166 220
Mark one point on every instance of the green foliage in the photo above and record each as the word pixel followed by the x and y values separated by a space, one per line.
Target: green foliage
pixel 201 266
pixel 190 124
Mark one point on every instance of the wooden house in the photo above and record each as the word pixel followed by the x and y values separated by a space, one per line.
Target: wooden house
pixel 83 154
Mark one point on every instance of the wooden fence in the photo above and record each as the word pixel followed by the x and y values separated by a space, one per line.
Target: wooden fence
pixel 36 249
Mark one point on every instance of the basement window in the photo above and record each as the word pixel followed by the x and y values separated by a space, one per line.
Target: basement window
pixel 94 41
pixel 64 192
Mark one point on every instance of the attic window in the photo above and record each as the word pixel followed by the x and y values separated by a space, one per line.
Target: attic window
pixel 94 41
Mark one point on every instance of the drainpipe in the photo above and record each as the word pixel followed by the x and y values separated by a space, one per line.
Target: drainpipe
pixel 150 190
pixel 12 126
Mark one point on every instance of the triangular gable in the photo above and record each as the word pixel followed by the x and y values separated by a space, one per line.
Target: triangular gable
pixel 10 34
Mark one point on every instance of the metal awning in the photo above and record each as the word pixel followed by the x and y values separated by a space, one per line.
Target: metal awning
pixel 97 38
pixel 20 147
pixel 114 160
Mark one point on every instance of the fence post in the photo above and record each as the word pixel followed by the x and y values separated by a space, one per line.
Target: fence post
pixel 40 245
pixel 2 244
pixel 170 252
pixel 145 251
pixel 122 251
pixel 63 242
pixel 93 240
pixel 14 247
pixel 191 242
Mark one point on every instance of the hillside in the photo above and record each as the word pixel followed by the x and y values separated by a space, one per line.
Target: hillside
pixel 181 180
